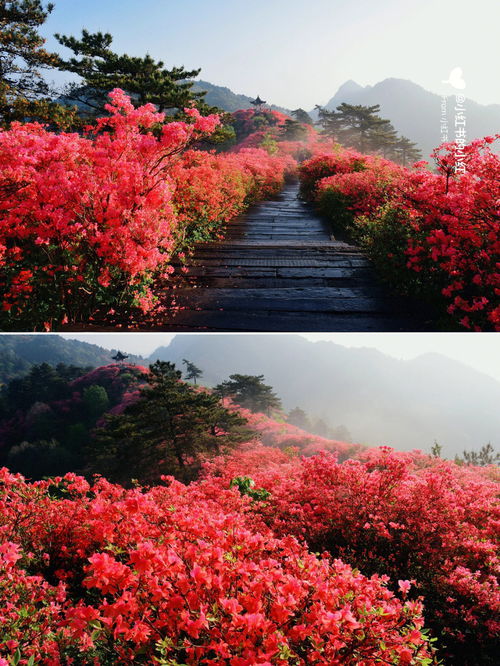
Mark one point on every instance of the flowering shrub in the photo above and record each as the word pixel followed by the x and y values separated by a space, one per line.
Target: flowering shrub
pixel 345 196
pixel 266 129
pixel 327 164
pixel 86 219
pixel 404 515
pixel 100 575
pixel 435 234
pixel 457 238
pixel 221 571
pixel 284 435
pixel 88 222
pixel 250 121
pixel 211 189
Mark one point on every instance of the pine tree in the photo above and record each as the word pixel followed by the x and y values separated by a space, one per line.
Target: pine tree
pixel 143 78
pixel 192 371
pixel 24 94
pixel 299 418
pixel 353 125
pixel 383 140
pixel 330 122
pixel 164 432
pixel 293 130
pixel 436 449
pixel 321 428
pixel 250 392
pixel 406 151
pixel 341 433
pixel 95 401
pixel 485 456
pixel 302 117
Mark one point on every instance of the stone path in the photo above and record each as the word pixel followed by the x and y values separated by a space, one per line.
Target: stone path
pixel 278 269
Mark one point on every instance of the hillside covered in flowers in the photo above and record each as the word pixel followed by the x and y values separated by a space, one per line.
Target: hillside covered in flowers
pixel 278 547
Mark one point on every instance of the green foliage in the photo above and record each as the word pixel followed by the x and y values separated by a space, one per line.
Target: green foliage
pixel 334 205
pixel 302 117
pixel 43 383
pixel 406 151
pixel 95 400
pixel 246 486
pixel 385 238
pixel 250 392
pixel 293 130
pixel 269 144
pixel 192 372
pixel 166 431
pixel 362 128
pixel 223 138
pixel 353 125
pixel 24 94
pixel 341 433
pixel 18 353
pixel 41 459
pixel 299 418
pixel 436 449
pixel 76 436
pixel 143 78
pixel 260 121
pixel 484 457
pixel 46 421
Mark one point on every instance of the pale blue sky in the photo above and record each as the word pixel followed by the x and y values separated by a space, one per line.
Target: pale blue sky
pixel 296 52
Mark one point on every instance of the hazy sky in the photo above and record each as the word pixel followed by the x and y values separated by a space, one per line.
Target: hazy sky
pixel 296 53
pixel 480 351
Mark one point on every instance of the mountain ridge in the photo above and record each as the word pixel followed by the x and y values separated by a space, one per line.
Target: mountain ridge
pixel 379 399
pixel 400 98
pixel 18 353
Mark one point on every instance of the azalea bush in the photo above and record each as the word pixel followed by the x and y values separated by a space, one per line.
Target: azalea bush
pixel 434 235
pixel 266 129
pixel 404 515
pixel 95 574
pixel 212 188
pixel 247 122
pixel 223 571
pixel 89 222
pixel 285 436
pixel 345 196
pixel 288 549
pixel 85 220
pixel 209 191
pixel 326 164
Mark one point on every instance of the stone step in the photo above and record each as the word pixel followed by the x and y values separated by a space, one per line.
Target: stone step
pixel 280 269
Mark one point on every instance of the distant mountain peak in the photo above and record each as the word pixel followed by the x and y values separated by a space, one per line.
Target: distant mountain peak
pixel 348 88
pixel 414 111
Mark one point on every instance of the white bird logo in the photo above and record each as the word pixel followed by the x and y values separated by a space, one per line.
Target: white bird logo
pixel 456 78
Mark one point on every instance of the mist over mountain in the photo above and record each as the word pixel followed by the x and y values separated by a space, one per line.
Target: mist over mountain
pixel 416 112
pixel 381 400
